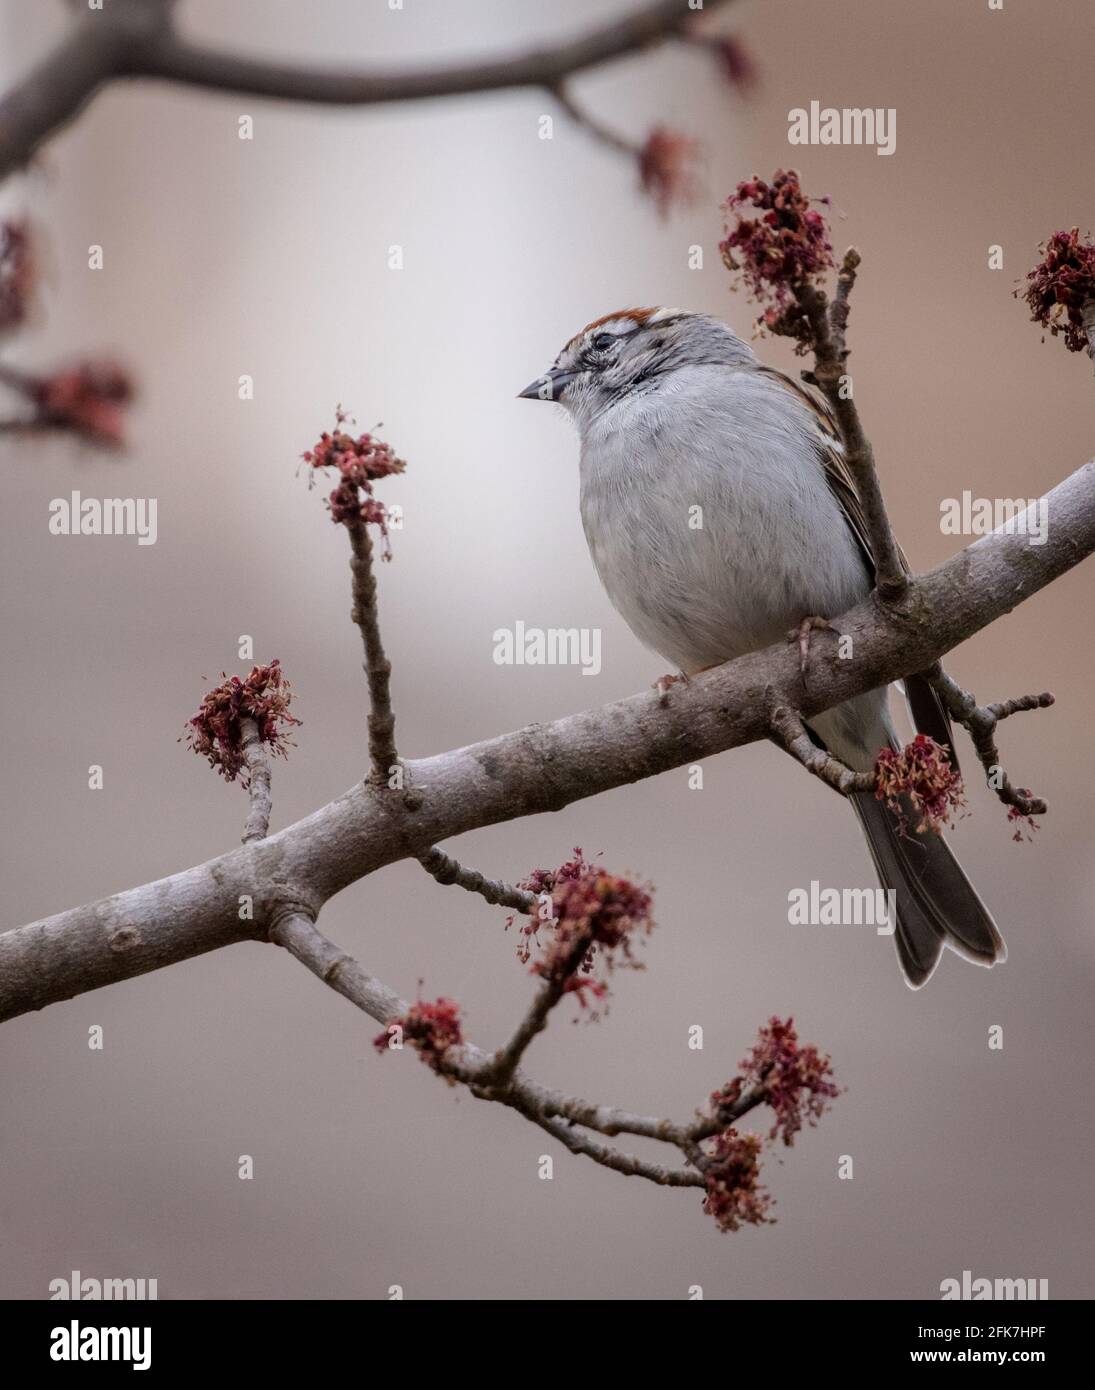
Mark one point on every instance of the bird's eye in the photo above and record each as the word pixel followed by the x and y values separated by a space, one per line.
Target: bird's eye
pixel 601 341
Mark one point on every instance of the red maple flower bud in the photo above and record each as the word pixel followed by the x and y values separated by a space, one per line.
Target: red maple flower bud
pixel 667 168
pixel 360 462
pixel 735 1196
pixel 216 733
pixel 87 399
pixel 584 908
pixel 1060 286
pixel 787 246
pixel 795 1080
pixel 431 1029
pixel 920 774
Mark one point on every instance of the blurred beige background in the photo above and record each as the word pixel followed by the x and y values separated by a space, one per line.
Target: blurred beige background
pixel 224 257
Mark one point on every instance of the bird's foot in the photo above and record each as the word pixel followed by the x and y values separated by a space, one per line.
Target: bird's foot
pixel 663 683
pixel 802 634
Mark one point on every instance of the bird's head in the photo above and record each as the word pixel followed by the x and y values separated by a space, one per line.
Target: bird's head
pixel 630 353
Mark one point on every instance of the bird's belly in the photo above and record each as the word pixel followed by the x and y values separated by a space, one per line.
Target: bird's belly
pixel 703 587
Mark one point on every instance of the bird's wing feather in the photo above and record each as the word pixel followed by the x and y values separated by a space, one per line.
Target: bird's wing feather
pixel 925 706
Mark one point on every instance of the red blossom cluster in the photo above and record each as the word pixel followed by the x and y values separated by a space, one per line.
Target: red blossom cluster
pixel 16 274
pixel 922 772
pixel 215 731
pixel 88 399
pixel 735 1196
pixel 667 168
pixel 787 246
pixel 360 463
pixel 1018 817
pixel 589 908
pixel 794 1079
pixel 1060 285
pixel 431 1029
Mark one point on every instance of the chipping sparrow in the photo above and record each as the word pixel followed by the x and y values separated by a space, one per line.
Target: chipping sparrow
pixel 674 411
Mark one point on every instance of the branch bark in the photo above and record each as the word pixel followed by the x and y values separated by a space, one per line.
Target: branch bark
pixel 539 768
pixel 378 669
pixel 257 824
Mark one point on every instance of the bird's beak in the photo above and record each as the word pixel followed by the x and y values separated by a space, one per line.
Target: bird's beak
pixel 548 387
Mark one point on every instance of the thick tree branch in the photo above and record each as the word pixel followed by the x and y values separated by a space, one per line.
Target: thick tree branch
pixel 134 39
pixel 540 768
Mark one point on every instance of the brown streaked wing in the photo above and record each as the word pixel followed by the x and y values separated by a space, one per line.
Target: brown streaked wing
pixel 925 706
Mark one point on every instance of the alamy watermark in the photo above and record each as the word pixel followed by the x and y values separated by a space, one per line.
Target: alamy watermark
pixel 845 125
pixel 77 1286
pixel 980 516
pixel 980 1289
pixel 106 516
pixel 843 907
pixel 552 646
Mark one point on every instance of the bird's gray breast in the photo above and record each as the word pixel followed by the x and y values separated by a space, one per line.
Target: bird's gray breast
pixel 709 518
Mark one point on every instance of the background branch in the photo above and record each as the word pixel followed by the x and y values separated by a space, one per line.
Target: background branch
pixel 135 39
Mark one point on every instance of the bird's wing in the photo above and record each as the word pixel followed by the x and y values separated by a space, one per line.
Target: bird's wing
pixel 925 706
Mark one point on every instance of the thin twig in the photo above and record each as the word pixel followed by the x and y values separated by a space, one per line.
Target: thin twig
pixel 507 1058
pixel 257 825
pixel 378 669
pixel 554 1112
pixel 790 730
pixel 1088 313
pixel 447 870
pixel 828 329
pixel 341 972
pixel 980 722
pixel 578 1142
pixel 588 122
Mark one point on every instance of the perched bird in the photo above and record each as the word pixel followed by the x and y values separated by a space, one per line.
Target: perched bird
pixel 675 412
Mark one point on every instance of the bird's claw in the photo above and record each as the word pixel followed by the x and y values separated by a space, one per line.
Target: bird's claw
pixel 802 635
pixel 663 683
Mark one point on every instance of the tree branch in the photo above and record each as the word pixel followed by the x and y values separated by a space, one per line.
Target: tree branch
pixel 476 1069
pixel 135 39
pixel 828 325
pixel 1089 327
pixel 791 731
pixel 378 669
pixel 447 870
pixel 980 722
pixel 540 768
pixel 257 825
